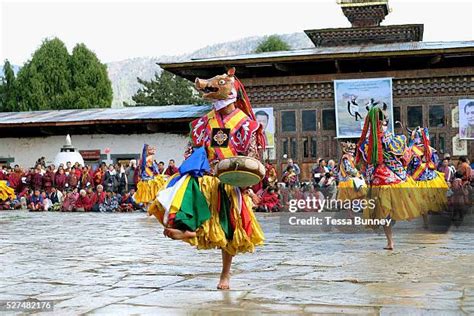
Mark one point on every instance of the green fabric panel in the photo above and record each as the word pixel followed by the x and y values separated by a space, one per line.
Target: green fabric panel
pixel 194 210
pixel 224 214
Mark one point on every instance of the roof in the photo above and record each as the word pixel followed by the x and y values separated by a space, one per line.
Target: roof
pixel 344 50
pixel 103 115
pixel 321 59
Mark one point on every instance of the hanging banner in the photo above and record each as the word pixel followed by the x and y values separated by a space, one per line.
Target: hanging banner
pixel 466 118
pixel 353 97
pixel 265 117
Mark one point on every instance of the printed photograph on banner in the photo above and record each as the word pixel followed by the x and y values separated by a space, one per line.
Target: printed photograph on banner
pixel 459 146
pixel 353 98
pixel 466 118
pixel 265 117
pixel 455 117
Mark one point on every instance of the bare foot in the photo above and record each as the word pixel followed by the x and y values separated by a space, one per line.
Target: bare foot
pixel 177 234
pixel 224 282
pixel 388 247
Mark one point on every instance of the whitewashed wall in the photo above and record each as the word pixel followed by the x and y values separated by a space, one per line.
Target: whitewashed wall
pixel 26 151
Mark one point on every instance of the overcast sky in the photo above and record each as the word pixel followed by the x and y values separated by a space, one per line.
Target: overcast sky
pixel 118 30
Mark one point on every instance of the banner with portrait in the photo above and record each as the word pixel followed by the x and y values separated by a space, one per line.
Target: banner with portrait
pixel 265 117
pixel 466 118
pixel 353 97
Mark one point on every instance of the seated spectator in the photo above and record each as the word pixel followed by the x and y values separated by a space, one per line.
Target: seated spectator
pixel 254 196
pixel 97 198
pixel 464 169
pixel 111 203
pixel 327 185
pixel 56 198
pixel 448 170
pixel 128 204
pixel 289 177
pixel 5 205
pixel 270 201
pixel 319 171
pixel 47 204
pixel 83 203
pixel 70 199
pixel 161 167
pixel 331 166
pixel 35 203
pixel 172 169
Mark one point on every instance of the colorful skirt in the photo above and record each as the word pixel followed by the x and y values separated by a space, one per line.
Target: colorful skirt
pixel 220 214
pixel 6 192
pixel 432 194
pixel 346 190
pixel 148 189
pixel 400 201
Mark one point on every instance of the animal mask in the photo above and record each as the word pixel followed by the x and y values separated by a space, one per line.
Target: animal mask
pixel 150 150
pixel 220 87
pixel 348 147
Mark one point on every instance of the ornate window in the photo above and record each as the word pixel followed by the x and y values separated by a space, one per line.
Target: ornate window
pixel 288 121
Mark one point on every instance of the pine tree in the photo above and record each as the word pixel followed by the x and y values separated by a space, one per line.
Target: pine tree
pixel 7 92
pixel 272 43
pixel 44 81
pixel 90 82
pixel 166 89
pixel 53 79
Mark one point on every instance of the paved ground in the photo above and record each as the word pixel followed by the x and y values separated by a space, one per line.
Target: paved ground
pixel 121 264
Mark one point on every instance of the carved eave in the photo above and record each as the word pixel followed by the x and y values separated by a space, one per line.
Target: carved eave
pixel 366 35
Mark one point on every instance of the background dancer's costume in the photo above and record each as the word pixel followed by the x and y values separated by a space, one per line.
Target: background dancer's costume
pixel 351 184
pixel 195 200
pixel 150 179
pixel 380 153
pixel 6 192
pixel 430 183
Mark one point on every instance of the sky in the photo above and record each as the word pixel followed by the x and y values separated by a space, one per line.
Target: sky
pixel 117 30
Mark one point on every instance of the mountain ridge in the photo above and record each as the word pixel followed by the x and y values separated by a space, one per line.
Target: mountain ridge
pixel 123 73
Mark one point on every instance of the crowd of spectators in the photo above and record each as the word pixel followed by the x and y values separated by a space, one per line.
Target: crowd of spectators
pixel 110 188
pixel 72 187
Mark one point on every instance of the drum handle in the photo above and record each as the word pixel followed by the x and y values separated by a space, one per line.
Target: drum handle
pixel 236 166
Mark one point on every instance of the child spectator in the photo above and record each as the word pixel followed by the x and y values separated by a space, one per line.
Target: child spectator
pixel 35 203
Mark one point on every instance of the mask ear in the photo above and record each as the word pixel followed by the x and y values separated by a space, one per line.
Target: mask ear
pixel 231 71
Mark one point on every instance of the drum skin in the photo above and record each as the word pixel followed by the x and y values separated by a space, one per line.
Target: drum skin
pixel 240 171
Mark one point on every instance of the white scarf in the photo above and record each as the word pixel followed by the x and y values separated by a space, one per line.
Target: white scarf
pixel 220 104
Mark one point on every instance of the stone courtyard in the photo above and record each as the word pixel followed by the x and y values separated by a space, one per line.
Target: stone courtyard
pixel 120 264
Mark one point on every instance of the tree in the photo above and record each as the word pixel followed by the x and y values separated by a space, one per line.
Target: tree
pixel 272 43
pixel 44 82
pixel 166 89
pixel 91 85
pixel 7 92
pixel 54 79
